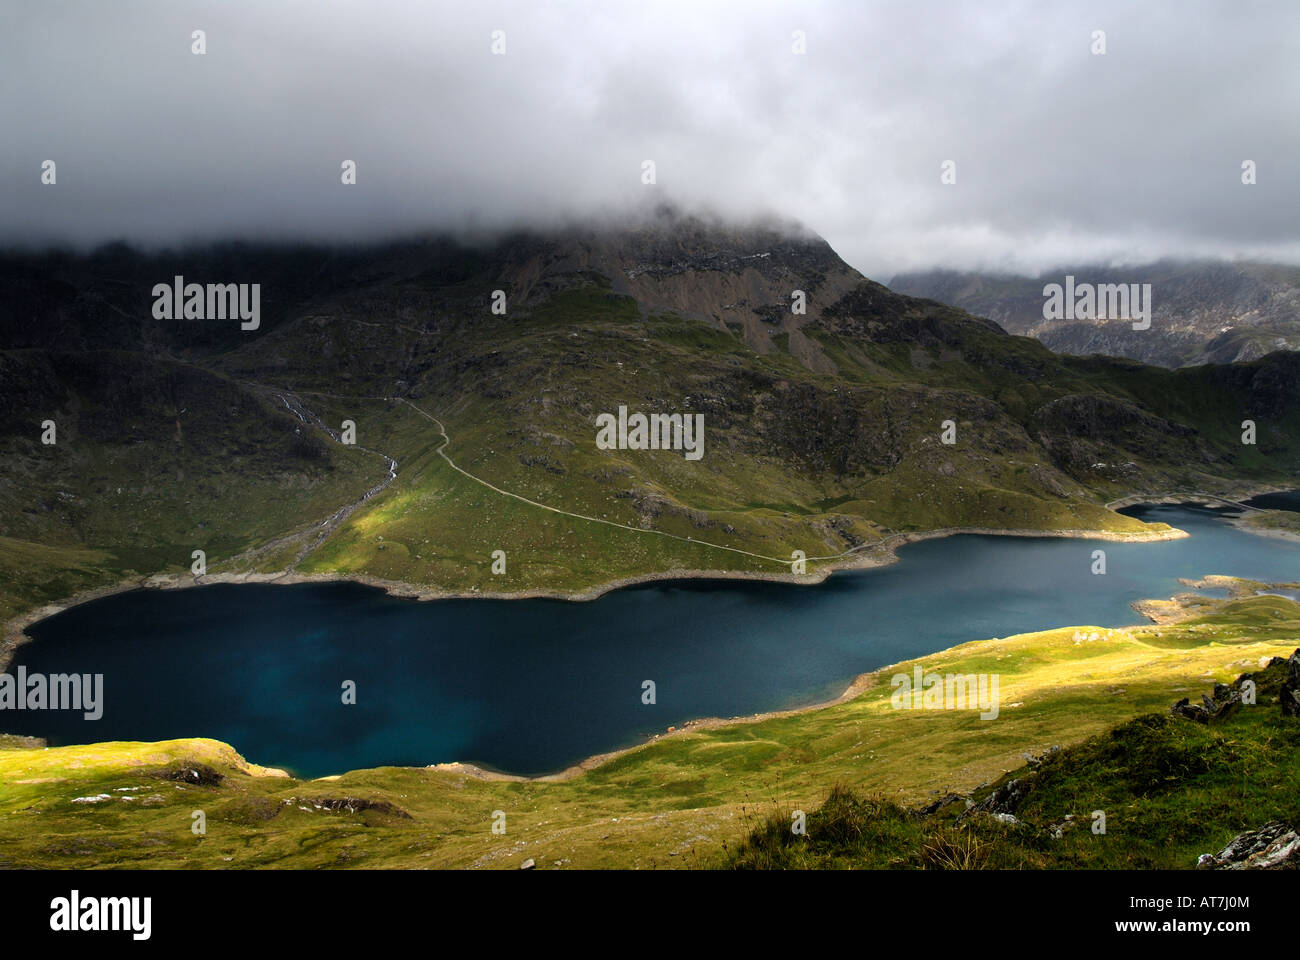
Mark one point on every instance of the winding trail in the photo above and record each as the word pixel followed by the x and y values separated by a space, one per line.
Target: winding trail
pixel 292 402
pixel 304 414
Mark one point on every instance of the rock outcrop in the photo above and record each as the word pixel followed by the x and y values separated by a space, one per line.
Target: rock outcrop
pixel 1290 693
pixel 1274 846
pixel 1280 677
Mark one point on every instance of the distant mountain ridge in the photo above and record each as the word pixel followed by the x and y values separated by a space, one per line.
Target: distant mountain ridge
pixel 1202 311
pixel 824 427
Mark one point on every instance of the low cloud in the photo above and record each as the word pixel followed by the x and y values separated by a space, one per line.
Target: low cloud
pixel 1062 156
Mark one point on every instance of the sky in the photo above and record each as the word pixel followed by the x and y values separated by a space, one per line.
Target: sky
pixel 1061 155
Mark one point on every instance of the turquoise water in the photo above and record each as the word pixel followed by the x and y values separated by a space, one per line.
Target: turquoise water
pixel 531 686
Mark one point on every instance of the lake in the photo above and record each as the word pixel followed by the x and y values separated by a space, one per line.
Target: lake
pixel 1284 500
pixel 532 686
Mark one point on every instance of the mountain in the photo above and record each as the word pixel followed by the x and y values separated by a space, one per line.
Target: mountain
pixel 824 431
pixel 1201 312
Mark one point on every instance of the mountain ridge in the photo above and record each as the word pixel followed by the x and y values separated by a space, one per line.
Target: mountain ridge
pixel 825 429
pixel 1203 311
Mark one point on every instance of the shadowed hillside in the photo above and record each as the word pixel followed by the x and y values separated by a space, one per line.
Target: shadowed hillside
pixel 825 428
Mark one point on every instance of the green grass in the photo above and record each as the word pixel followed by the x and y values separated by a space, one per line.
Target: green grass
pixel 692 798
pixel 34 574
pixel 154 460
pixel 157 458
pixel 1168 791
pixel 1280 520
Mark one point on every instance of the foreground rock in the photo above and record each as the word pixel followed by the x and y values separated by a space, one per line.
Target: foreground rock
pixel 1221 706
pixel 1280 676
pixel 1290 695
pixel 1274 846
pixel 1001 803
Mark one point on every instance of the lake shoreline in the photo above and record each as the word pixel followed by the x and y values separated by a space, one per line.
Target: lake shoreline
pixel 881 553
pixel 1147 609
pixel 1241 522
pixel 878 554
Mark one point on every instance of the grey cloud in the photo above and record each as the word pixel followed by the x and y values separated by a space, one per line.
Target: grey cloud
pixel 1062 156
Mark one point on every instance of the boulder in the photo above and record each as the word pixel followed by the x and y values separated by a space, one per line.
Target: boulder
pixel 1225 702
pixel 1003 800
pixel 1274 846
pixel 1190 711
pixel 199 774
pixel 1290 693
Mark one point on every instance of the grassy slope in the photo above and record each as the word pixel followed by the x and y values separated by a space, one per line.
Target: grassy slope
pixel 1167 787
pixel 531 433
pixel 1282 521
pixel 691 798
pixel 794 459
pixel 154 460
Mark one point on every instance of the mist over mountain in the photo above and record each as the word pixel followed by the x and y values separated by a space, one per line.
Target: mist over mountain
pixel 835 409
pixel 1201 311
pixel 309 311
pixel 493 116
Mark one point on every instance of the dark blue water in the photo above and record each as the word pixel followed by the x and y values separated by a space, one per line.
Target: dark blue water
pixel 531 686
pixel 1285 500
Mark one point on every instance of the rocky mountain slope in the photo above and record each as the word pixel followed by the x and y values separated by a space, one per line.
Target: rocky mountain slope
pixel 1202 312
pixel 825 430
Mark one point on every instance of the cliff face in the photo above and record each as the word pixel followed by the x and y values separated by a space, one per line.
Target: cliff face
pixel 823 428
pixel 737 278
pixel 1202 312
